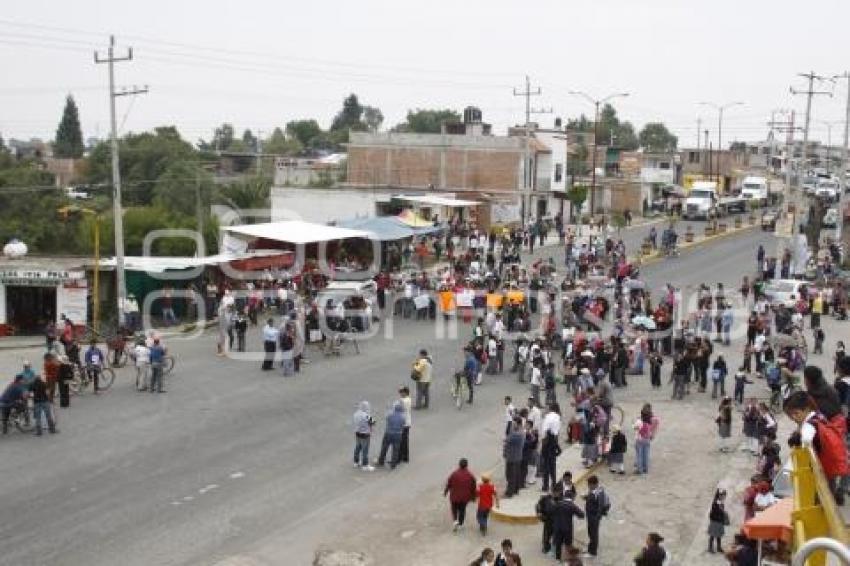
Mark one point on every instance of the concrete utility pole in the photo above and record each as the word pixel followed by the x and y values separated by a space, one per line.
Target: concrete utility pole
pixel 596 103
pixel 528 174
pixel 809 92
pixel 117 209
pixel 720 109
pixel 842 197
pixel 789 128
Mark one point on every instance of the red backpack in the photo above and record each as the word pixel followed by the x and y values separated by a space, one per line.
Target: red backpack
pixel 830 447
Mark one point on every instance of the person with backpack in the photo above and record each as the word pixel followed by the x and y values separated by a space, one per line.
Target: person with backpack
pixel 825 437
pixel 718 377
pixel 596 505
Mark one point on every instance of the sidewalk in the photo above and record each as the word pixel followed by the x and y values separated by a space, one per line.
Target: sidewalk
pixel 519 509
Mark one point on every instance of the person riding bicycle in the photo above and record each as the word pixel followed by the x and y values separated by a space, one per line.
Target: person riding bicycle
pixel 94 364
pixel 14 395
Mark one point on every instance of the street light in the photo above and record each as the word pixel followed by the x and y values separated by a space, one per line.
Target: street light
pixel 829 125
pixel 720 108
pixel 596 102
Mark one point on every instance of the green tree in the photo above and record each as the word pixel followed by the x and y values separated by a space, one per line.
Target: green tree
pixel 250 140
pixel 426 121
pixel 24 174
pixel 247 194
pixel 655 137
pixel 577 165
pixel 305 131
pixel 223 137
pixel 278 144
pixel 144 157
pixel 373 118
pixel 350 117
pixel 69 136
pixel 577 195
pixel 580 124
pixel 176 189
pixel 625 137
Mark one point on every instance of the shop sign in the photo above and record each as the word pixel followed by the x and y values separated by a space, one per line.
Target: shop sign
pixel 35 277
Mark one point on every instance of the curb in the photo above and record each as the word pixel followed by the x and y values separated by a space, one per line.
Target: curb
pixel 656 256
pixel 532 519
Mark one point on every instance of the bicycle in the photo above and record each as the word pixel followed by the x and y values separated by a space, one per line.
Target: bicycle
pixel 19 417
pixel 82 379
pixel 459 389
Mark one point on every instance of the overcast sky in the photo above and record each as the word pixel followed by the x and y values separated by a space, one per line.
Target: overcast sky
pixel 261 64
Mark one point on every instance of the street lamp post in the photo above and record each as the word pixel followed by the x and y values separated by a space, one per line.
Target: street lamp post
pixel 720 109
pixel 596 103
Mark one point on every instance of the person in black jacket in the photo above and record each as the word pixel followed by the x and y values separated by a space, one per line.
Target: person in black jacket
pixel 562 523
pixel 42 406
pixel 596 506
pixel 66 375
pixel 717 520
pixel 545 510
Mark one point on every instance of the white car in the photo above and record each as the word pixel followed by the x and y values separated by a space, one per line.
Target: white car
pixel 830 219
pixel 828 189
pixel 76 193
pixel 785 291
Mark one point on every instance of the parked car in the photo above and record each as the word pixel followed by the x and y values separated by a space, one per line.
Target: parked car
pixel 784 291
pixel 77 193
pixel 768 221
pixel 830 219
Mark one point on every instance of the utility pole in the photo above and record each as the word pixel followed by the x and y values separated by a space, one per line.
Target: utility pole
pixel 789 128
pixel 720 109
pixel 528 175
pixel 259 149
pixel 199 206
pixel 843 172
pixel 596 103
pixel 809 92
pixel 117 209
pixel 707 160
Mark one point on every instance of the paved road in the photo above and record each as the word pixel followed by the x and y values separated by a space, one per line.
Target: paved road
pixel 233 461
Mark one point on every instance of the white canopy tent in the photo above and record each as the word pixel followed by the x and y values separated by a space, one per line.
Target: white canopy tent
pixel 153 264
pixel 435 200
pixel 295 232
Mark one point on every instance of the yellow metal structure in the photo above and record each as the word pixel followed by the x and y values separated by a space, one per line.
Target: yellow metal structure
pixel 815 512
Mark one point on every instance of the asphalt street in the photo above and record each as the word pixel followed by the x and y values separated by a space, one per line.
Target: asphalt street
pixel 235 465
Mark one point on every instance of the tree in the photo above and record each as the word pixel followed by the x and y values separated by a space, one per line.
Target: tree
pixel 144 157
pixel 581 124
pixel 373 118
pixel 176 189
pixel 248 194
pixel 305 131
pixel 350 117
pixel 577 195
pixel 69 136
pixel 250 140
pixel 222 137
pixel 2 143
pixel 625 137
pixel 278 144
pixel 578 164
pixel 655 137
pixel 426 121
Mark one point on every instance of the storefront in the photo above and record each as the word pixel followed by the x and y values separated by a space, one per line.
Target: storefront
pixel 34 294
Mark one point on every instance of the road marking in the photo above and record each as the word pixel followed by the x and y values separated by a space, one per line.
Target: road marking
pixel 188 498
pixel 237 475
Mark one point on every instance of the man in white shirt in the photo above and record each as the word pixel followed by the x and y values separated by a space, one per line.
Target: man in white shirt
pixel 142 354
pixel 536 381
pixel 270 337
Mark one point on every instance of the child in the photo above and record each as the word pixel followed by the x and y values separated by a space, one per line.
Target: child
pixel 751 426
pixel 487 498
pixel 819 338
pixel 717 520
pixel 741 382
pixel 825 438
pixel 616 455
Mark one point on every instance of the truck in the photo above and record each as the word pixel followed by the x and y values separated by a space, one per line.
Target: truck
pixel 756 189
pixel 703 202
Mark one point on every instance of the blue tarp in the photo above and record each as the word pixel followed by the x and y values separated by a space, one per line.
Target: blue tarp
pixel 386 228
